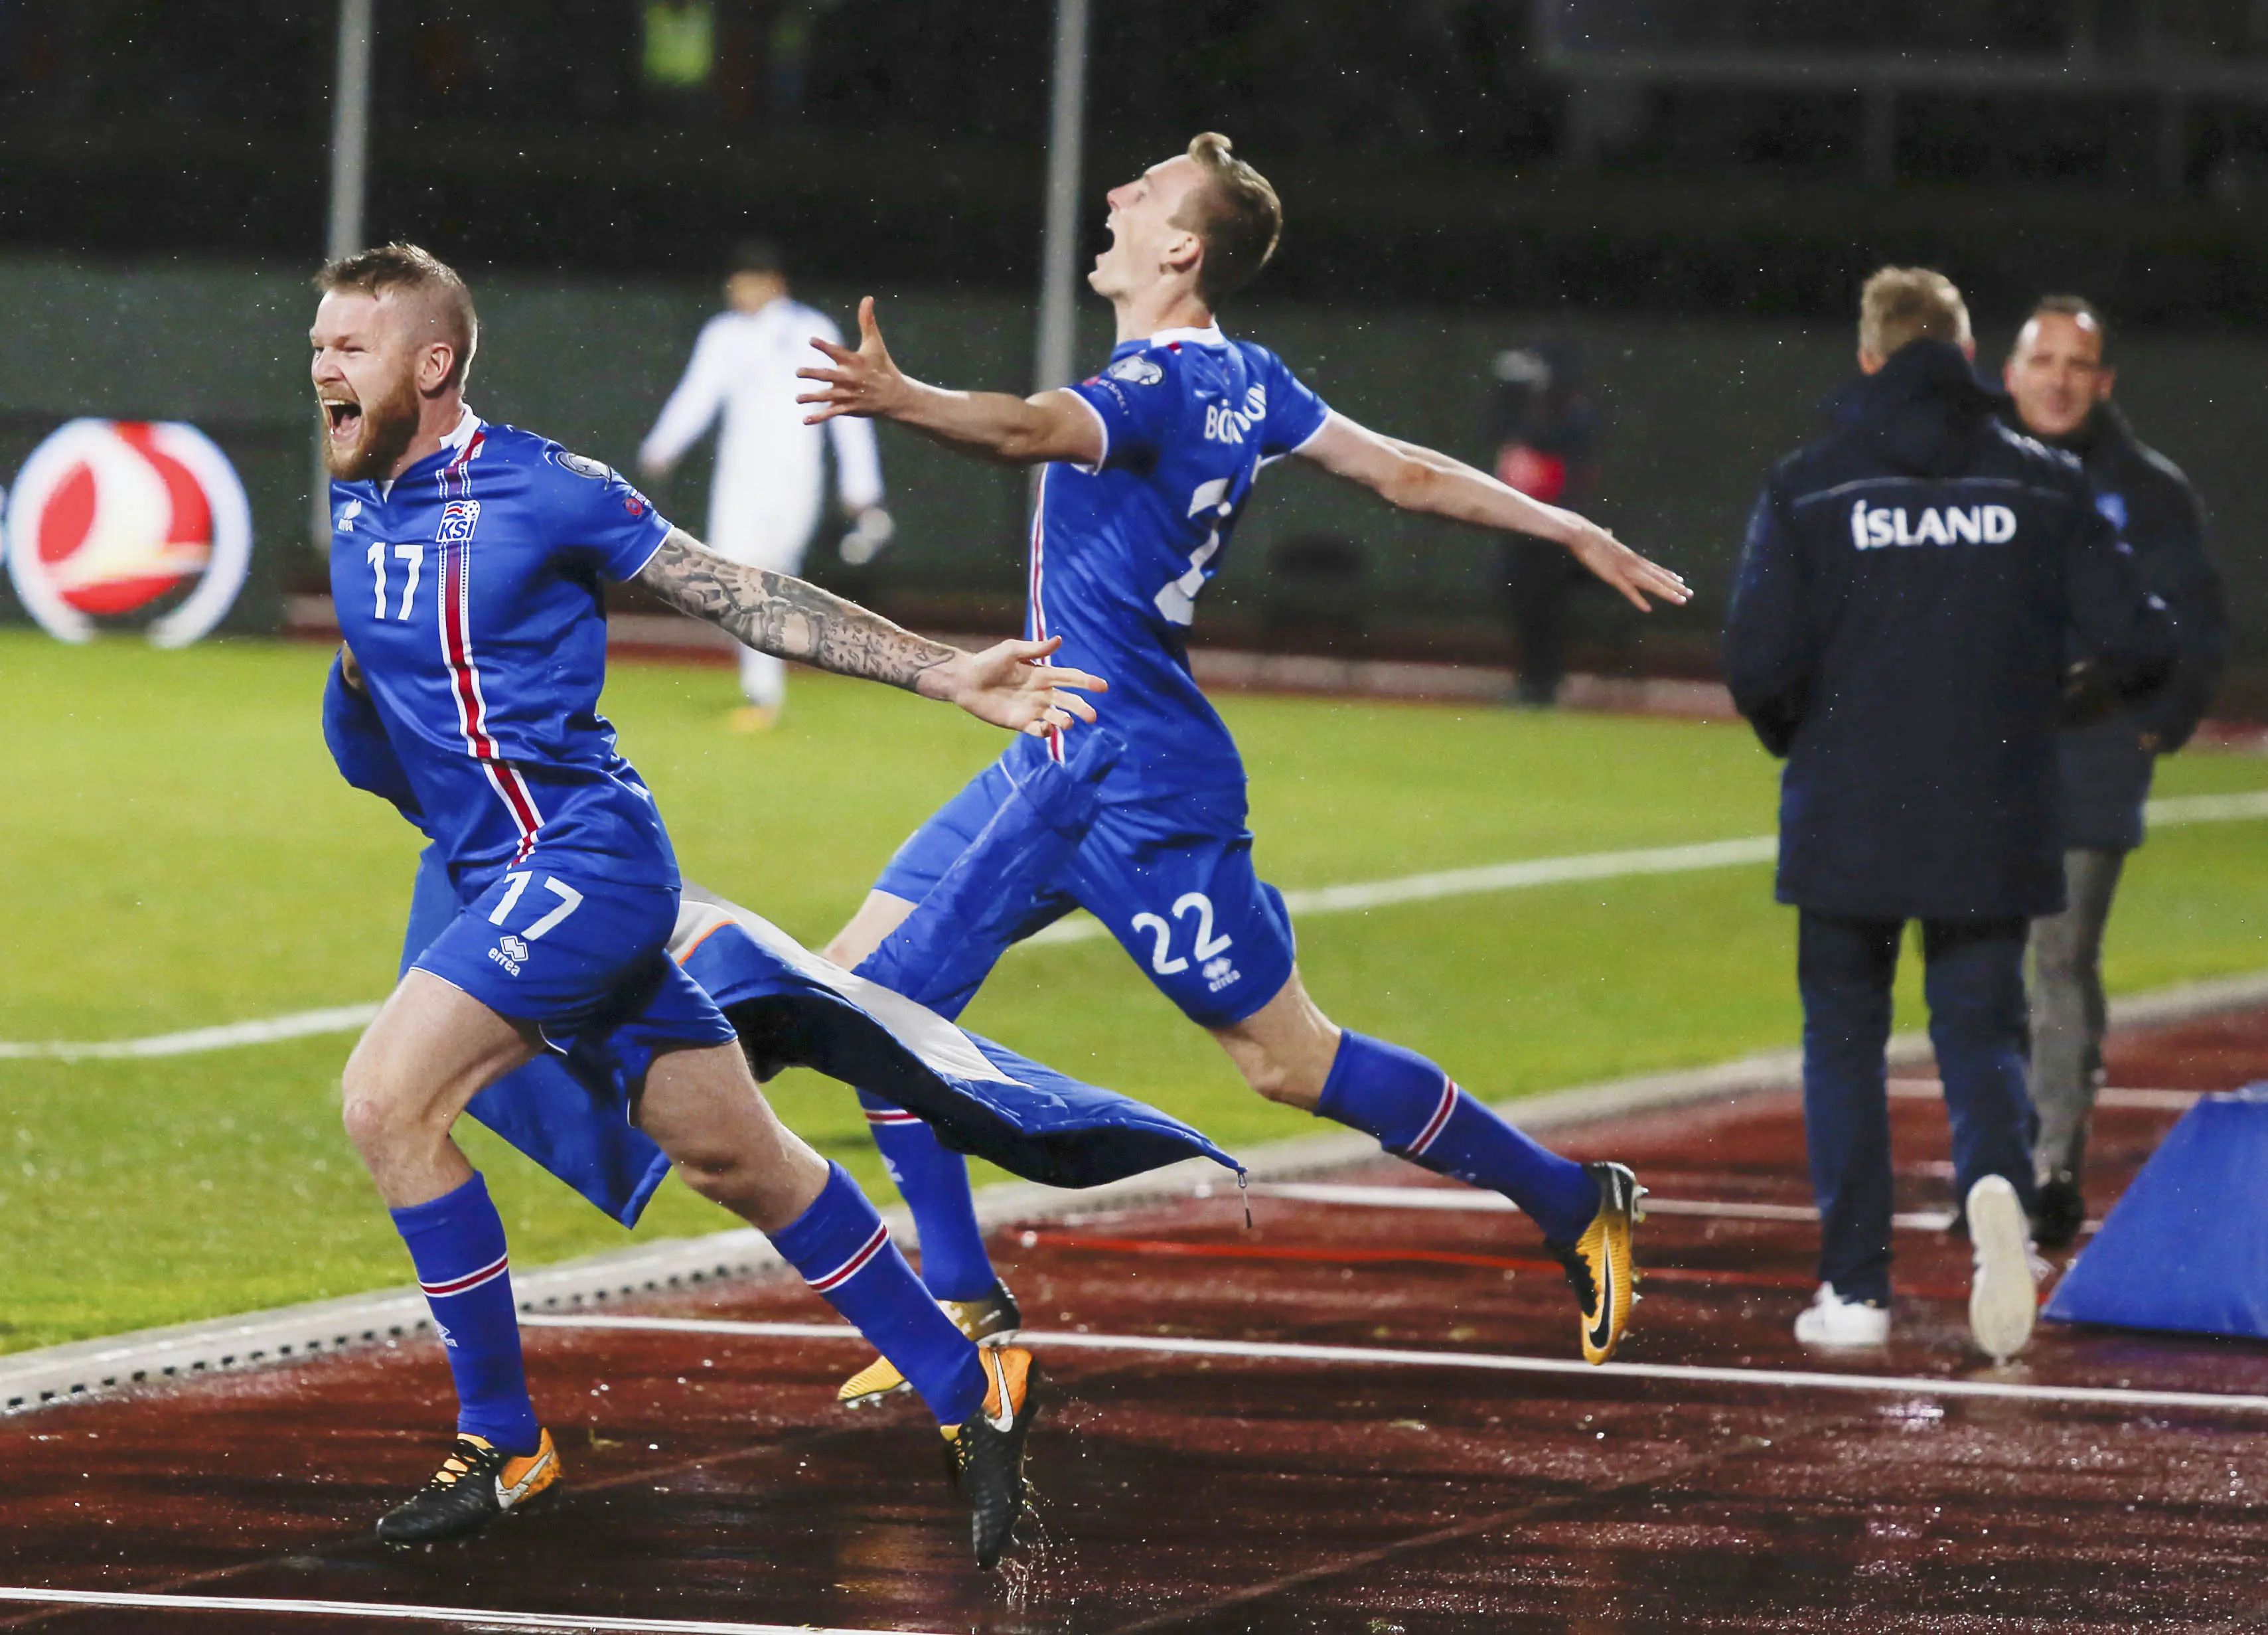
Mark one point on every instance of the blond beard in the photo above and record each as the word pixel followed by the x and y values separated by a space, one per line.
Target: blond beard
pixel 388 427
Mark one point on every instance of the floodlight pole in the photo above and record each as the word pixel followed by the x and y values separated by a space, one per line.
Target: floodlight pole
pixel 1059 243
pixel 350 183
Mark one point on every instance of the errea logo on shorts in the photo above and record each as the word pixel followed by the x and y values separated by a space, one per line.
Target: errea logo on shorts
pixel 1873 527
pixel 510 953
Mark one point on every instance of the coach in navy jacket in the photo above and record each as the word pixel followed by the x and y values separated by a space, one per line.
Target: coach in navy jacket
pixel 1897 631
pixel 2061 382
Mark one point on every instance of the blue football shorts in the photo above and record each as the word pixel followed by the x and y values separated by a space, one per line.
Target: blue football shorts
pixel 582 958
pixel 1171 877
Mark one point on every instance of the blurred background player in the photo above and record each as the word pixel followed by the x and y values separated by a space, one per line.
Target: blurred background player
pixel 1147 466
pixel 2060 380
pixel 1909 590
pixel 769 485
pixel 1545 433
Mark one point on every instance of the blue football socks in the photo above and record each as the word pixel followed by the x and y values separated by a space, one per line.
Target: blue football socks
pixel 844 1252
pixel 457 1244
pixel 935 1186
pixel 1417 1112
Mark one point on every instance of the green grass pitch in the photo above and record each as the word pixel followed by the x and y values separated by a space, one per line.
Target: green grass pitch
pixel 177 853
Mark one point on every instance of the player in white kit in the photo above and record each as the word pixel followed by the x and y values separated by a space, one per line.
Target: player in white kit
pixel 764 499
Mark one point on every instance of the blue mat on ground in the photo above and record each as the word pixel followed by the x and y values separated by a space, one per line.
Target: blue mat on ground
pixel 2186 1249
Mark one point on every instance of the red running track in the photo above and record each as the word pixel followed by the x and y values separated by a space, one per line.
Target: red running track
pixel 709 1479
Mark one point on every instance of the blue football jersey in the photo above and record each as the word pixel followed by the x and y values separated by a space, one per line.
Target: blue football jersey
pixel 468 588
pixel 1120 553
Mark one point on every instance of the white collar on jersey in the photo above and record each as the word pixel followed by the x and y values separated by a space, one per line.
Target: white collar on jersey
pixel 1209 335
pixel 454 441
pixel 461 433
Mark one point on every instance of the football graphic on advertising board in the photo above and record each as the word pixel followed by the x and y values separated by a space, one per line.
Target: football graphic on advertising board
pixel 121 522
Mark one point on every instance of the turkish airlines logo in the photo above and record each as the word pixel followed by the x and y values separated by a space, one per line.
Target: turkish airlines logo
pixel 117 520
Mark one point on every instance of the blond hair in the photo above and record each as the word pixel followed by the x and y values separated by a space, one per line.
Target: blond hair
pixel 420 271
pixel 1902 305
pixel 1236 215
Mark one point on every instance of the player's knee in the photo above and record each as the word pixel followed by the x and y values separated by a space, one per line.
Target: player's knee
pixel 378 1111
pixel 374 1119
pixel 726 1184
pixel 716 1173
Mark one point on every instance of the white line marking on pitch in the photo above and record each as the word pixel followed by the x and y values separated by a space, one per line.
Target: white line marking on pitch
pixel 1377 893
pixel 463 1617
pixel 1714 854
pixel 1495 1203
pixel 1285 1351
pixel 2169 812
pixel 266 1030
pixel 2156 1100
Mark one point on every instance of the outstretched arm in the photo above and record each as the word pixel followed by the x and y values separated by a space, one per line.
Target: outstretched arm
pixel 1018 431
pixel 789 618
pixel 1422 479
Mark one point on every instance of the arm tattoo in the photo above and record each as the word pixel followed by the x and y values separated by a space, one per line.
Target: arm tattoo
pixel 787 617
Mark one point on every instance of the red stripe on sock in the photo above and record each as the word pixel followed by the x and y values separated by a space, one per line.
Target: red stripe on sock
pixel 488 1273
pixel 1433 1125
pixel 850 1267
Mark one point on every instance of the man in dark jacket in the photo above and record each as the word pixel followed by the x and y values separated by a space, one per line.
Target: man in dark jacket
pixel 2061 386
pixel 1899 628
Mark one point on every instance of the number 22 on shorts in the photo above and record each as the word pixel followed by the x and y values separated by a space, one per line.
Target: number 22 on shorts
pixel 1207 945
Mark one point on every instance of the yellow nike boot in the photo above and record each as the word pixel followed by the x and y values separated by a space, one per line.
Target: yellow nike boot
pixel 1601 1266
pixel 990 1319
pixel 985 1455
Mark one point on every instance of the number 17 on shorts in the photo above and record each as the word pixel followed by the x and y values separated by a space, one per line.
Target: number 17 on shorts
pixel 512 950
pixel 547 945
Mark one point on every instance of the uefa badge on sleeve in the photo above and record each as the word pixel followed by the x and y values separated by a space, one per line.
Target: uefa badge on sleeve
pixel 128 524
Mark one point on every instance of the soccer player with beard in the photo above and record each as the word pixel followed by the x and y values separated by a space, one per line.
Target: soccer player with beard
pixel 466 567
pixel 1145 467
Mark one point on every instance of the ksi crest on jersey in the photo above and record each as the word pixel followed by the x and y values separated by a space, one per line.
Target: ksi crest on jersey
pixel 458 519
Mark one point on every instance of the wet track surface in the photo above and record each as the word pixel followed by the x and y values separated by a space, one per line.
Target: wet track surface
pixel 710 1478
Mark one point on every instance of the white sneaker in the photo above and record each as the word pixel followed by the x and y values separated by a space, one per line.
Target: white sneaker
pixel 1831 1320
pixel 2004 1294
